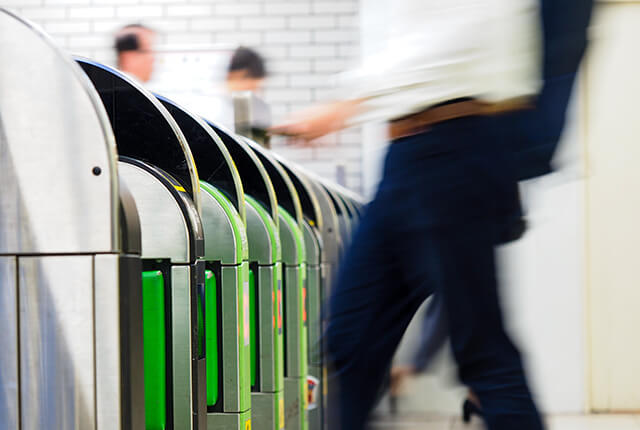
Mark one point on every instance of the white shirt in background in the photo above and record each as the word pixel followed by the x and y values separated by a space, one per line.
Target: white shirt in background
pixel 440 50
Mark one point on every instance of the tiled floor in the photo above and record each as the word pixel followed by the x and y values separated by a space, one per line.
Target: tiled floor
pixel 584 422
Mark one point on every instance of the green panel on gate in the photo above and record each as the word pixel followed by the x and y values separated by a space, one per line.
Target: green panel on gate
pixel 211 333
pixel 155 359
pixel 253 326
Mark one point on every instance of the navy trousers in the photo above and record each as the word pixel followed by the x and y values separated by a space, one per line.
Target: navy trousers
pixel 431 228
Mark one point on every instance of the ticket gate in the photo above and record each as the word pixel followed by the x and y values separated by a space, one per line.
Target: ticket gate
pixel 331 238
pixel 70 302
pixel 294 292
pixel 351 200
pixel 228 317
pixel 265 261
pixel 312 227
pixel 330 249
pixel 157 166
pixel 343 217
pixel 351 210
pixel 138 294
pixel 349 213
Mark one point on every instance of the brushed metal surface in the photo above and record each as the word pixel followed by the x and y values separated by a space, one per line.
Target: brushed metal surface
pixel 294 367
pixel 107 323
pixel 220 241
pixel 217 421
pixel 260 249
pixel 296 416
pixel 57 362
pixel 314 302
pixel 263 411
pixel 312 243
pixel 314 307
pixel 181 347
pixel 291 255
pixel 354 217
pixel 164 230
pixel 343 217
pixel 53 133
pixel 330 232
pixel 232 340
pixel 270 341
pixel 9 405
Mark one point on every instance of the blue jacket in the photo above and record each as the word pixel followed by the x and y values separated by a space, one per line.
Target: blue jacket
pixel 537 132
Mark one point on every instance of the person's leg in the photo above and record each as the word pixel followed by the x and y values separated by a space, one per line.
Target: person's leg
pixel 371 305
pixel 461 189
pixel 432 225
pixel 370 309
pixel 433 336
pixel 488 362
pixel 463 208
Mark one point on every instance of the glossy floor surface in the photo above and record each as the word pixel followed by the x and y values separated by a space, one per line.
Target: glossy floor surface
pixel 559 422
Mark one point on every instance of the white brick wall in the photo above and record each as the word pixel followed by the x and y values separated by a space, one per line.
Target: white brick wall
pixel 305 42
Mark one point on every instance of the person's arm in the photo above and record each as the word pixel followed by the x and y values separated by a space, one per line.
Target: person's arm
pixel 438 51
pixel 319 120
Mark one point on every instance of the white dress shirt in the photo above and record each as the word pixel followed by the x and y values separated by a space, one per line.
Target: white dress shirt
pixel 440 50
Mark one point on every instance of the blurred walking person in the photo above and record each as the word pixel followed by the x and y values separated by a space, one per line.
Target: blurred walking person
pixel 134 49
pixel 457 83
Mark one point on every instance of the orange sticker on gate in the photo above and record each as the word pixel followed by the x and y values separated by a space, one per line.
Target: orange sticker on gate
pixel 279 307
pixel 304 304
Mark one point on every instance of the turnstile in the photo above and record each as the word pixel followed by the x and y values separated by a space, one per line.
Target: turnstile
pixel 70 302
pixel 157 166
pixel 344 220
pixel 267 372
pixel 294 293
pixel 265 261
pixel 222 291
pixel 332 246
pixel 228 325
pixel 227 252
pixel 312 227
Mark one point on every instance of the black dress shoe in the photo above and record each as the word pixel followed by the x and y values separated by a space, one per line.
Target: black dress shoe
pixel 469 409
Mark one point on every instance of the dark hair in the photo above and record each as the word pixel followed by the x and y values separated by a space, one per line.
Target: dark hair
pixel 128 41
pixel 249 60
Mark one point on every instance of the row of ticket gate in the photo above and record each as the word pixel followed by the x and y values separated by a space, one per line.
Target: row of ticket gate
pixel 156 271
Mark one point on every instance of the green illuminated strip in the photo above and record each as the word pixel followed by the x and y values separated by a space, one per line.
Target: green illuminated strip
pixel 155 364
pixel 211 330
pixel 253 326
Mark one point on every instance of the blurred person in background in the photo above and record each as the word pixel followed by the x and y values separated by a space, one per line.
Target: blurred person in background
pixel 245 80
pixel 457 84
pixel 247 71
pixel 134 48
